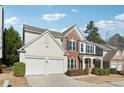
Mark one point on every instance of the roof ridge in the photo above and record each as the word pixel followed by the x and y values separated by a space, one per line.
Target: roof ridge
pixel 25 25
pixel 64 32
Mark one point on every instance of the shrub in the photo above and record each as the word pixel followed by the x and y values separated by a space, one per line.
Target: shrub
pixel 19 69
pixel 107 71
pixel 113 71
pixel 104 72
pixel 77 72
pixel 99 71
pixel 96 71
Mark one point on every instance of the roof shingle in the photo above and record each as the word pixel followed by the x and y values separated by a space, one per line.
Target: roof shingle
pixel 38 30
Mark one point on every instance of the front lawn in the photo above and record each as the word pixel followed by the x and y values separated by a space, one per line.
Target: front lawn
pixel 102 79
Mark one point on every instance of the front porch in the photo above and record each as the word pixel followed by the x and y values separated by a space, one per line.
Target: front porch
pixel 90 62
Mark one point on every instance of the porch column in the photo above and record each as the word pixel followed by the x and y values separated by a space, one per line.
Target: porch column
pixel 83 63
pixel 91 66
pixel 92 63
pixel 101 63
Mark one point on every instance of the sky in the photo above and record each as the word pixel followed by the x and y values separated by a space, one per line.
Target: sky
pixel 109 19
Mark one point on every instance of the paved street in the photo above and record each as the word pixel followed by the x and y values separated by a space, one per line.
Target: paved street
pixel 61 80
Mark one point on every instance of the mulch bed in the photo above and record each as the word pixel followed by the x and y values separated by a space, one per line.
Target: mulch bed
pixel 14 81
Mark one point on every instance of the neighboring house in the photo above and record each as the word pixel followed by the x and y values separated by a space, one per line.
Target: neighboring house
pixel 117 61
pixel 1 33
pixel 115 58
pixel 50 52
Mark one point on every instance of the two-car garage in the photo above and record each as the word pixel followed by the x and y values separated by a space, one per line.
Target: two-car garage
pixel 38 66
pixel 44 55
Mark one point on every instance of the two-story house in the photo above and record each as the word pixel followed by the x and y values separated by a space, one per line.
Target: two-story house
pixel 50 52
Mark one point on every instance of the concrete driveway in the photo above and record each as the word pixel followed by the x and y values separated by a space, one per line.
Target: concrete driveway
pixel 61 80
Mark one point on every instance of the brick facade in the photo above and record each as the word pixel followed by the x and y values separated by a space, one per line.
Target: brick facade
pixel 72 54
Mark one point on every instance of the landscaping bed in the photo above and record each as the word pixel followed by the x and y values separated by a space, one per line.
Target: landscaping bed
pixel 14 81
pixel 102 79
pixel 77 72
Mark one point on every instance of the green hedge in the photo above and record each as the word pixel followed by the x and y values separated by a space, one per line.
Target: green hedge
pixel 77 72
pixel 96 71
pixel 19 69
pixel 104 72
pixel 113 70
pixel 99 71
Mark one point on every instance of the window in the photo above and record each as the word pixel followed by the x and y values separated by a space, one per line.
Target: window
pixel 82 48
pixel 71 63
pixel 90 49
pixel 99 51
pixel 72 45
pixel 68 63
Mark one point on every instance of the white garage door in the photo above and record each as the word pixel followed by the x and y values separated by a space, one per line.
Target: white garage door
pixel 55 66
pixel 37 66
pixel 34 66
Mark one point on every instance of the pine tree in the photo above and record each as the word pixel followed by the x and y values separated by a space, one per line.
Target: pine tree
pixel 12 44
pixel 93 34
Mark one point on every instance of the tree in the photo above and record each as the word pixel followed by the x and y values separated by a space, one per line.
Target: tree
pixel 93 34
pixel 12 44
pixel 116 40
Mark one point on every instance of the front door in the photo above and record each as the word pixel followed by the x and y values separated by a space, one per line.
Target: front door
pixel 88 64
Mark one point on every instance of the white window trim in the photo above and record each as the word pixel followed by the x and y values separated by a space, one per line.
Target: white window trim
pixel 90 46
pixel 94 49
pixel 72 45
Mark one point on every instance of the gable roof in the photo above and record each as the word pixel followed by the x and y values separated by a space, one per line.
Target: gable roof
pixel 37 30
pixel 118 56
pixel 109 55
pixel 66 31
pixel 73 27
pixel 47 31
pixel 111 47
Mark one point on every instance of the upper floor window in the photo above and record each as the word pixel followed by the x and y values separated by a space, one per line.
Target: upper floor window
pixel 90 49
pixel 72 45
pixel 82 47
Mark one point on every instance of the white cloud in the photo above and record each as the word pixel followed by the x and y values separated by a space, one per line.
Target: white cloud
pixel 63 29
pixel 120 17
pixel 109 25
pixel 12 20
pixel 60 30
pixel 74 10
pixel 53 29
pixel 53 17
